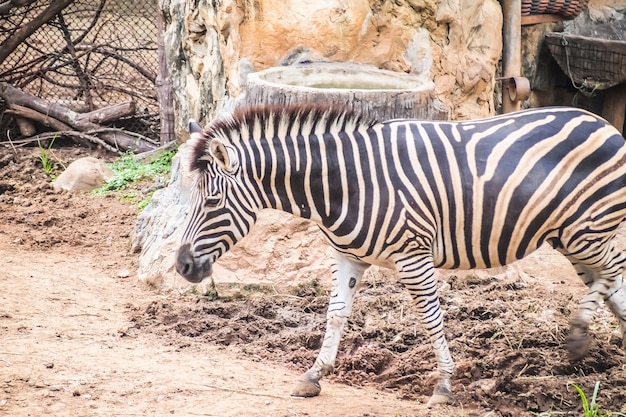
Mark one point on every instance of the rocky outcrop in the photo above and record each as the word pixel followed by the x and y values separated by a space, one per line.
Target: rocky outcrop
pixel 212 46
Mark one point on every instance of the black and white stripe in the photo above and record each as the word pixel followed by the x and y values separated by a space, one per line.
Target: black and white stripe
pixel 418 195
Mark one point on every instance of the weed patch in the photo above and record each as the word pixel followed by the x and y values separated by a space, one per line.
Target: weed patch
pixel 129 172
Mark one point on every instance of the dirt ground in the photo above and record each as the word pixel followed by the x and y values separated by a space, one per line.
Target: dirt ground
pixel 80 336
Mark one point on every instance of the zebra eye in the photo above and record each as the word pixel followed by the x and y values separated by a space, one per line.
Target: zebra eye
pixel 212 201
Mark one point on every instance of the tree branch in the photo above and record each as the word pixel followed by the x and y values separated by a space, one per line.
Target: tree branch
pixel 80 74
pixel 25 31
pixel 81 136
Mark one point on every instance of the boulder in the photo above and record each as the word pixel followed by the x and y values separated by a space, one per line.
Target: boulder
pixel 84 174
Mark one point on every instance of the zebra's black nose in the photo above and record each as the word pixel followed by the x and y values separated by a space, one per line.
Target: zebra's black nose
pixel 189 267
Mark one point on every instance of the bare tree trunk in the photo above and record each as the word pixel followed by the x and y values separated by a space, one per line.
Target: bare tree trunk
pixel 25 31
pixel 164 90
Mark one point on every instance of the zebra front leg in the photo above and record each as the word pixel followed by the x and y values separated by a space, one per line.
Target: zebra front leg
pixel 419 279
pixel 347 274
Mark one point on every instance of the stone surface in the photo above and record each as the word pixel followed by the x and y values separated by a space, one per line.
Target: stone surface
pixel 84 174
pixel 212 46
pixel 375 93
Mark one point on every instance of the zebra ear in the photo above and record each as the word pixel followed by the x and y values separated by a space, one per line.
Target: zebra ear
pixel 225 156
pixel 195 130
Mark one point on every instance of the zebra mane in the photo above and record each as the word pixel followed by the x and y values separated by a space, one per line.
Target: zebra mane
pixel 244 118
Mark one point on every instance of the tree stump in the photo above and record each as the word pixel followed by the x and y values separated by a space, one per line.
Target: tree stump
pixel 376 93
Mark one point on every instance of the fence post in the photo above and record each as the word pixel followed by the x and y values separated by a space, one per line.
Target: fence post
pixel 164 90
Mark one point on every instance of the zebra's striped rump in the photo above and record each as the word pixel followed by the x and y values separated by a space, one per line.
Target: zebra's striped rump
pixel 416 195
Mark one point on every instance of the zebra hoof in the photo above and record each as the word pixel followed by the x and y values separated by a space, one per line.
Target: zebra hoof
pixel 442 395
pixel 578 343
pixel 306 388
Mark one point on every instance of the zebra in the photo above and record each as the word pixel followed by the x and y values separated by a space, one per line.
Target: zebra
pixel 414 196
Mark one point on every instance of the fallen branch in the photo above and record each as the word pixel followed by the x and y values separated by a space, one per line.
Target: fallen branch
pixel 71 133
pixel 118 139
pixel 144 155
pixel 135 135
pixel 240 391
pixel 83 79
pixel 44 119
pixel 109 113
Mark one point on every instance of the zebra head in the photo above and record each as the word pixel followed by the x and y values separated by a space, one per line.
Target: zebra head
pixel 219 213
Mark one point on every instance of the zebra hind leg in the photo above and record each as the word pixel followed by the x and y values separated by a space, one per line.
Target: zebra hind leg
pixel 419 279
pixel 602 274
pixel 347 274
pixel 616 300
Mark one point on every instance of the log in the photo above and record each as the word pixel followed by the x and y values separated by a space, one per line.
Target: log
pixel 109 113
pixel 31 114
pixel 118 139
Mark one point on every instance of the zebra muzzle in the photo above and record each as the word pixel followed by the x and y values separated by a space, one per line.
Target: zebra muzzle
pixel 193 269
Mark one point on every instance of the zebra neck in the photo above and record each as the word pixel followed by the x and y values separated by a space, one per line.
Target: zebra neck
pixel 294 186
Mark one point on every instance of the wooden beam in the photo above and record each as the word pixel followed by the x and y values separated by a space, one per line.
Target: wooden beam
pixel 614 106
pixel 542 18
pixel 512 50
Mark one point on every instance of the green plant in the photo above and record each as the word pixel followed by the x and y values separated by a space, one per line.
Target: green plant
pixel 591 408
pixel 128 170
pixel 44 156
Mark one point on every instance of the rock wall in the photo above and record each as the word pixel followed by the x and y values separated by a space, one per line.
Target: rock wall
pixel 212 46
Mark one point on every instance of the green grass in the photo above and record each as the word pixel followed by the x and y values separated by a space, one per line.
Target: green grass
pixel 591 407
pixel 129 172
pixel 47 163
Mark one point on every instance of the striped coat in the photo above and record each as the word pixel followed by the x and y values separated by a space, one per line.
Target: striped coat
pixel 414 196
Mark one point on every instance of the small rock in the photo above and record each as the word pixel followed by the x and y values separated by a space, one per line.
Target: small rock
pixel 84 174
pixel 124 273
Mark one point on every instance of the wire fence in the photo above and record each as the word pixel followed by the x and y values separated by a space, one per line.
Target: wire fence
pixel 92 54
